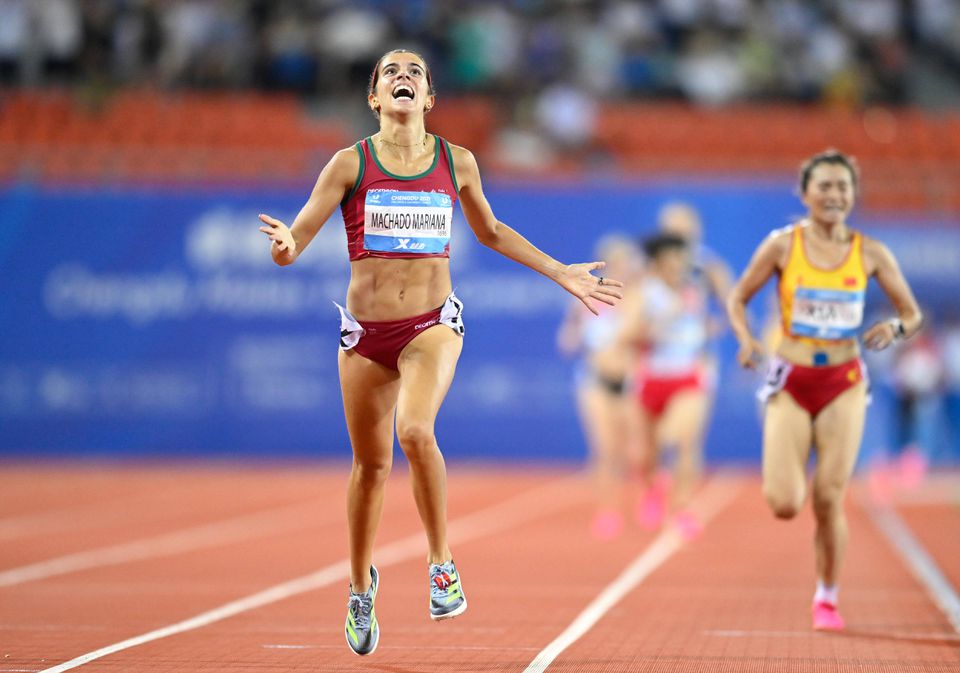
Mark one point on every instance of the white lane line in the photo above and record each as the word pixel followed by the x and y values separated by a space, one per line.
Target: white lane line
pixel 923 567
pixel 714 497
pixel 227 531
pixel 553 497
pixel 73 519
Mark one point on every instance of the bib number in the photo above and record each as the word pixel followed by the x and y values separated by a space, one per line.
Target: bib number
pixel 407 222
pixel 826 314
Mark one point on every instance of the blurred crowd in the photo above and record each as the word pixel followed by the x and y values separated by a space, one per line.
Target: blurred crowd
pixel 917 388
pixel 707 51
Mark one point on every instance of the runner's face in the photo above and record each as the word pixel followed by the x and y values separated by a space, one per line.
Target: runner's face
pixel 402 86
pixel 830 193
pixel 673 265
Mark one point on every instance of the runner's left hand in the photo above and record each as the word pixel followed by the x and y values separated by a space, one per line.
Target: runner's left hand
pixel 879 336
pixel 578 281
pixel 280 236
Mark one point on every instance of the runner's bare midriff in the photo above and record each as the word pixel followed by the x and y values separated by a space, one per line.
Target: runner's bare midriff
pixel 394 289
pixel 803 352
pixel 611 363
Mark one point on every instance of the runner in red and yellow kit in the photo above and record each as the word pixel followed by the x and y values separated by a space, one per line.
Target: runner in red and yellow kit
pixel 401 332
pixel 816 388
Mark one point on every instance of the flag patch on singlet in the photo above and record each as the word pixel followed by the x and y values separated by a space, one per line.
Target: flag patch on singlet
pixel 826 314
pixel 407 222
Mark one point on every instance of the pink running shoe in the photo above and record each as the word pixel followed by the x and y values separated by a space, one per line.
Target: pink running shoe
pixel 607 525
pixel 688 525
pixel 826 617
pixel 651 509
pixel 652 505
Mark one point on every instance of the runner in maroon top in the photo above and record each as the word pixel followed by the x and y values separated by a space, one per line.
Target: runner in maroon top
pixel 397 190
pixel 377 189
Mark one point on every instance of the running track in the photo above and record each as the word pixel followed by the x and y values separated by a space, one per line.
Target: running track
pixel 215 569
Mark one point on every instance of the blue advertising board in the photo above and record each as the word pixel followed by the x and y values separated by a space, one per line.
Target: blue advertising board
pixel 152 322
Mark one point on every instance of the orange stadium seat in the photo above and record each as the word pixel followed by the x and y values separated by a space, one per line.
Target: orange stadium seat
pixel 471 121
pixel 912 157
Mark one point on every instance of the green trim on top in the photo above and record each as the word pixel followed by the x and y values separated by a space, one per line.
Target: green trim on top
pixel 436 158
pixel 453 171
pixel 356 185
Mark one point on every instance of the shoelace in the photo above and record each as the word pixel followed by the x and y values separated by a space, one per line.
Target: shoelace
pixel 361 607
pixel 438 589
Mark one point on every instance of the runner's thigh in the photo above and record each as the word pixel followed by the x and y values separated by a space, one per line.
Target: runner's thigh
pixel 787 437
pixel 369 400
pixel 838 430
pixel 427 365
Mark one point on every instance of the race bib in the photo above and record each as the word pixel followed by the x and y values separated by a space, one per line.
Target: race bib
pixel 408 222
pixel 826 314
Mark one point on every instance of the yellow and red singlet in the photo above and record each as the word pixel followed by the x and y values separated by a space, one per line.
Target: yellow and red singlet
pixel 819 304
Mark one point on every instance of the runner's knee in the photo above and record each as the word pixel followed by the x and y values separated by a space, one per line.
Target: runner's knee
pixel 785 504
pixel 416 439
pixel 372 471
pixel 827 500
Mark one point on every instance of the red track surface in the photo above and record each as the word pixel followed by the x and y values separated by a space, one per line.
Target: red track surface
pixel 735 600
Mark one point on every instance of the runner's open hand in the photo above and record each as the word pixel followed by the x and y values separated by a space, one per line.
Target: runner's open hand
pixel 283 244
pixel 578 281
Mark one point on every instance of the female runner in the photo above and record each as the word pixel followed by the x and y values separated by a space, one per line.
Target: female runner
pixel 816 387
pixel 401 331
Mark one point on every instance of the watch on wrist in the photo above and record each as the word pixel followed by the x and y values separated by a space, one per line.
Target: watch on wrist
pixel 899 333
